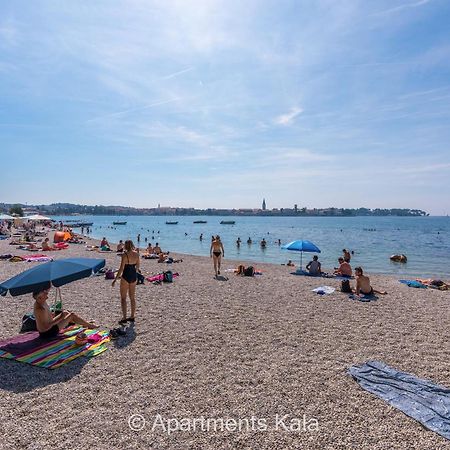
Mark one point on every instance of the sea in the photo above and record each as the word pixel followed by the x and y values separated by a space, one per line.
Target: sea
pixel 424 240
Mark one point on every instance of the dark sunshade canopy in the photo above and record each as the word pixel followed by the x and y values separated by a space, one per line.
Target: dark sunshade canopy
pixel 56 273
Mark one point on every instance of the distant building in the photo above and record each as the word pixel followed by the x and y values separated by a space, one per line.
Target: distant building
pixel 264 204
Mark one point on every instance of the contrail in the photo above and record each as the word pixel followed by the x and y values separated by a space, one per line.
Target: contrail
pixel 126 111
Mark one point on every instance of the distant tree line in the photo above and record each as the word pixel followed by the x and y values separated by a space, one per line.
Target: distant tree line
pixel 62 209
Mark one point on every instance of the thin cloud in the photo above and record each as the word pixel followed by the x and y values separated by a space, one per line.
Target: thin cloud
pixel 425 169
pixel 288 118
pixel 127 111
pixel 402 7
pixel 175 74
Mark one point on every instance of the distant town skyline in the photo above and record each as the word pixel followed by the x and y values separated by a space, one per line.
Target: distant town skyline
pixel 222 103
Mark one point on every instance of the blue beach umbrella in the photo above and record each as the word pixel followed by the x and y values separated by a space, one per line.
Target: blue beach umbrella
pixel 302 246
pixel 57 273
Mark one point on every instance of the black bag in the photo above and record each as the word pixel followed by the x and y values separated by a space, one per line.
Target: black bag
pixel 345 286
pixel 168 276
pixel 28 323
pixel 140 278
pixel 249 271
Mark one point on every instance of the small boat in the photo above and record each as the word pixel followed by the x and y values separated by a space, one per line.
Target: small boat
pixel 171 223
pixel 227 222
pixel 78 224
pixel 119 223
pixel 200 221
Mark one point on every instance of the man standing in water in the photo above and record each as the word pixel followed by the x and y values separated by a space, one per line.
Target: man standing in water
pixel 217 251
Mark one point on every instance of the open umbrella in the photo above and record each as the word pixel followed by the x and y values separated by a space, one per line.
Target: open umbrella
pixel 37 217
pixel 302 246
pixel 57 273
pixel 6 217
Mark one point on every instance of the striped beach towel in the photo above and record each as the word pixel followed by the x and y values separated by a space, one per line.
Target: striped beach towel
pixel 51 354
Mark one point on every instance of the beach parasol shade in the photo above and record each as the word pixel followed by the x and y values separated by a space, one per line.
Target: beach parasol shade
pixel 36 217
pixel 56 273
pixel 6 217
pixel 302 246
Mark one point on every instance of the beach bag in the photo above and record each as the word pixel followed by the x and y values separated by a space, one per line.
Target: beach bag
pixel 168 276
pixel 140 278
pixel 249 271
pixel 109 275
pixel 345 286
pixel 28 323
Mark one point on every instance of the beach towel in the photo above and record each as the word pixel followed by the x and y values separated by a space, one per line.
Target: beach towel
pixel 420 399
pixel 37 258
pixel 304 273
pixel 160 277
pixel 324 290
pixel 413 283
pixel 363 298
pixel 53 353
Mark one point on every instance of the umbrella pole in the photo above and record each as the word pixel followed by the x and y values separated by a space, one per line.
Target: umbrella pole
pixel 301 260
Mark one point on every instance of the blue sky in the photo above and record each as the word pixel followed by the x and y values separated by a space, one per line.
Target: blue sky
pixel 221 103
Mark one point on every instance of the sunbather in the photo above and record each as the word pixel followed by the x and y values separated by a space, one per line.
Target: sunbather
pixel 314 267
pixel 46 247
pixel 344 269
pixel 433 283
pixel 104 245
pixel 363 286
pixel 48 325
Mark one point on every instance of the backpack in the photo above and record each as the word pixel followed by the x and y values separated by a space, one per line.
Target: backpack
pixel 249 271
pixel 109 274
pixel 140 278
pixel 345 286
pixel 28 323
pixel 168 276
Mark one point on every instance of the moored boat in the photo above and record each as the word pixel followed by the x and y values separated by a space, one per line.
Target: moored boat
pixel 227 222
pixel 119 223
pixel 200 221
pixel 171 223
pixel 78 224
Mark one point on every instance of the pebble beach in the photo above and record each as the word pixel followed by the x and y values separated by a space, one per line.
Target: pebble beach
pixel 251 349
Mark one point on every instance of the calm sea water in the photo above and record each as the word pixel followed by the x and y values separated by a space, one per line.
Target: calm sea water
pixel 424 240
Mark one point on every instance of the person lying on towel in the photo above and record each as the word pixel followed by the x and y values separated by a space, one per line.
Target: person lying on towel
pixel 48 325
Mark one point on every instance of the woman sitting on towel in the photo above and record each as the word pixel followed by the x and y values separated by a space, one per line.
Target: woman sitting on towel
pixel 363 286
pixel 48 325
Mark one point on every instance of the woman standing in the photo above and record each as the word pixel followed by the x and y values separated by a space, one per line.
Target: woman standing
pixel 129 267
pixel 217 251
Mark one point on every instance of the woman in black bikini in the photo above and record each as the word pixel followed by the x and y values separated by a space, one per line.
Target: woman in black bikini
pixel 128 273
pixel 217 251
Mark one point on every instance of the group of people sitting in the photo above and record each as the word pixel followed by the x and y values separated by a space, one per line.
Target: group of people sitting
pixel 362 287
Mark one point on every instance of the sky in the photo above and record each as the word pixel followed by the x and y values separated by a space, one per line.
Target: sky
pixel 219 104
